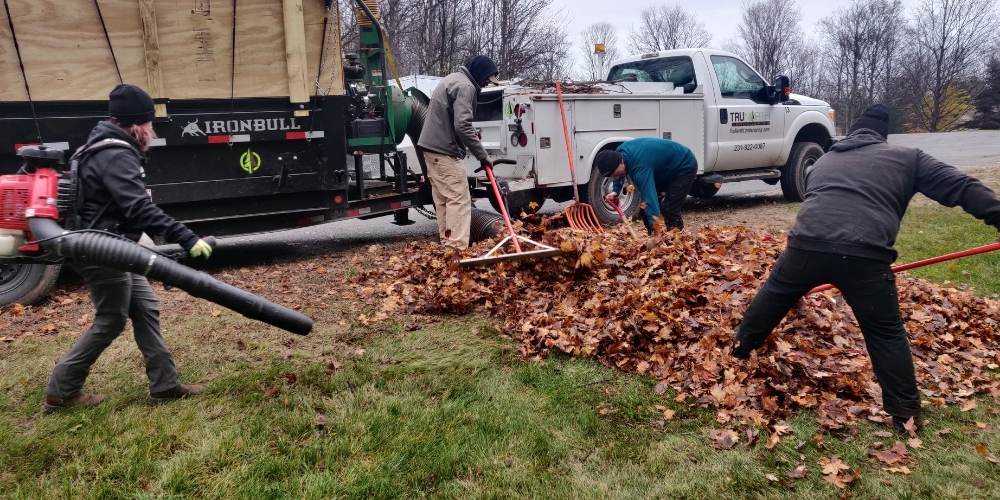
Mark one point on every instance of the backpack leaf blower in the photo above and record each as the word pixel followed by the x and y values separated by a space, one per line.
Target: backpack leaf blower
pixel 32 205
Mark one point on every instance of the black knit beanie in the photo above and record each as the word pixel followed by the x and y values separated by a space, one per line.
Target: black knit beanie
pixel 482 69
pixel 607 161
pixel 130 105
pixel 874 118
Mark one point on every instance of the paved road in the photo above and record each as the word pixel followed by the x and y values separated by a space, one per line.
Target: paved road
pixel 967 150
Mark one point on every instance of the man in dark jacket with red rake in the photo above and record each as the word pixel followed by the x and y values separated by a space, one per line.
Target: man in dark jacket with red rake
pixel 114 199
pixel 844 234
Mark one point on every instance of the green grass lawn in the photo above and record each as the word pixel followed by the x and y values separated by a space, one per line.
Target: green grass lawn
pixel 929 231
pixel 449 410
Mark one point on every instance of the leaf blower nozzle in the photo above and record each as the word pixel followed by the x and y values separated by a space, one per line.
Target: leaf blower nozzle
pixel 92 248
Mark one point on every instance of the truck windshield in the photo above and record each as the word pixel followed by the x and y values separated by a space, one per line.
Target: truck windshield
pixel 676 70
pixel 736 79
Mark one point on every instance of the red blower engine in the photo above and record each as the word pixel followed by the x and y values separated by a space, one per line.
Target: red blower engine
pixel 43 193
pixel 33 193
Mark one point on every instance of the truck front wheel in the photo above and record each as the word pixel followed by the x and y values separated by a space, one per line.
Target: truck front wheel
pixel 598 187
pixel 26 283
pixel 793 175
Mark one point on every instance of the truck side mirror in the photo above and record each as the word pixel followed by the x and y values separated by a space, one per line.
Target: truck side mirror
pixel 783 88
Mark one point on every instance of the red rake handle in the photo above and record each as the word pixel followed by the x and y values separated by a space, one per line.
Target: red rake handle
pixel 503 207
pixel 569 145
pixel 618 209
pixel 992 247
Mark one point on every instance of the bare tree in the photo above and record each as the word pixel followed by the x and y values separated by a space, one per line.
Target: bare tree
pixel 948 46
pixel 596 66
pixel 665 28
pixel 434 46
pixel 804 66
pixel 861 44
pixel 519 35
pixel 763 35
pixel 554 57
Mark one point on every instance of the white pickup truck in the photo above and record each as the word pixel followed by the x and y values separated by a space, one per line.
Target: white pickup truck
pixel 739 127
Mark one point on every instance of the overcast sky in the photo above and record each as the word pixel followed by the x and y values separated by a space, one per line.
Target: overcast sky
pixel 721 17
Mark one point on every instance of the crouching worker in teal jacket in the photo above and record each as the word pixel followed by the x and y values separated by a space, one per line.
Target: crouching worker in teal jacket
pixel 655 166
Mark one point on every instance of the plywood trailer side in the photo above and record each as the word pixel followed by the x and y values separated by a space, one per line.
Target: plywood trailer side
pixel 75 50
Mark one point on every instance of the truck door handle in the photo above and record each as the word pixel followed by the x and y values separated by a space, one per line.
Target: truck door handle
pixel 723 116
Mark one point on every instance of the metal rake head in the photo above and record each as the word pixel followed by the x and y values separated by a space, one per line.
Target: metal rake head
pixel 581 216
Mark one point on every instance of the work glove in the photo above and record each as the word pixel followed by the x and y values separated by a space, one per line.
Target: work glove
pixel 201 249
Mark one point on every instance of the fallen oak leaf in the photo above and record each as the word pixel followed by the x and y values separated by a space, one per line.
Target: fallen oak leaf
pixel 895 455
pixel 915 443
pixel 969 405
pixel 781 428
pixel 723 439
pixel 798 472
pixel 772 441
pixel 902 469
pixel 771 477
pixel 832 466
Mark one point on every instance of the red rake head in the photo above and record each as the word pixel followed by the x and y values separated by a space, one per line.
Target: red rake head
pixel 581 216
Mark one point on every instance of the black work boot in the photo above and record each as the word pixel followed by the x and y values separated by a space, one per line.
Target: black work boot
pixel 83 400
pixel 742 348
pixel 180 392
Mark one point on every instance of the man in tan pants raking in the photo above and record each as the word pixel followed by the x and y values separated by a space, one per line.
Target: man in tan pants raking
pixel 447 135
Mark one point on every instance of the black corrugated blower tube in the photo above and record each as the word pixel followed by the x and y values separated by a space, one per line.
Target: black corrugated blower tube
pixel 107 251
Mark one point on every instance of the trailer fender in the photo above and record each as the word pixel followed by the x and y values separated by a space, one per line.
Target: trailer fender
pixel 810 126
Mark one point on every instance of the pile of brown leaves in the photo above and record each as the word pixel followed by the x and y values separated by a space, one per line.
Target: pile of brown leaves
pixel 668 307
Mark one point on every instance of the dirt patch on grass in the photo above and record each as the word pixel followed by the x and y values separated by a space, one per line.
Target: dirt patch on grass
pixel 768 211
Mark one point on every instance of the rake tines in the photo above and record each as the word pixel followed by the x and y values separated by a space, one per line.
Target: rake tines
pixel 581 216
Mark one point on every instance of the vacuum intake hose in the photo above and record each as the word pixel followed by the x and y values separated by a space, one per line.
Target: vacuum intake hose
pixel 95 249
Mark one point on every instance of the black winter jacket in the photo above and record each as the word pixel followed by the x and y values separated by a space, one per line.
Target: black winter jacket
pixel 857 194
pixel 116 175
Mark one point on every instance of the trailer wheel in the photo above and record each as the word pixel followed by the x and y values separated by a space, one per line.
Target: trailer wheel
pixel 528 201
pixel 793 175
pixel 26 283
pixel 704 190
pixel 598 187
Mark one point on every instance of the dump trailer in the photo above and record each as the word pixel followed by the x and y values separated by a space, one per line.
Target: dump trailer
pixel 263 124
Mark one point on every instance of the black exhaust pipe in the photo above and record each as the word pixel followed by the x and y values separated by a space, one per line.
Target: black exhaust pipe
pixel 103 250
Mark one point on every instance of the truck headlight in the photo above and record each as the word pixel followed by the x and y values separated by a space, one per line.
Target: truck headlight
pixel 832 115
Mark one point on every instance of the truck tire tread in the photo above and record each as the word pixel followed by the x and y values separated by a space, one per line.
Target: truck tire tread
pixel 793 181
pixel 35 287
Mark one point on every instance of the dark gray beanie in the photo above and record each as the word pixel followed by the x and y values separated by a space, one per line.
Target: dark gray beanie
pixel 130 105
pixel 482 68
pixel 607 161
pixel 874 118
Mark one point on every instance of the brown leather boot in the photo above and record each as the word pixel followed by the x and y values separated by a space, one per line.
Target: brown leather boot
pixel 180 392
pixel 83 400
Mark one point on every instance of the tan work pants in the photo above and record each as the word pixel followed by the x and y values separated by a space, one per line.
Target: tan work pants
pixel 452 199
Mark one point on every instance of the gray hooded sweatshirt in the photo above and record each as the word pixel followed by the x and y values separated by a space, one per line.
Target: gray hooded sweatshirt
pixel 448 127
pixel 857 194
